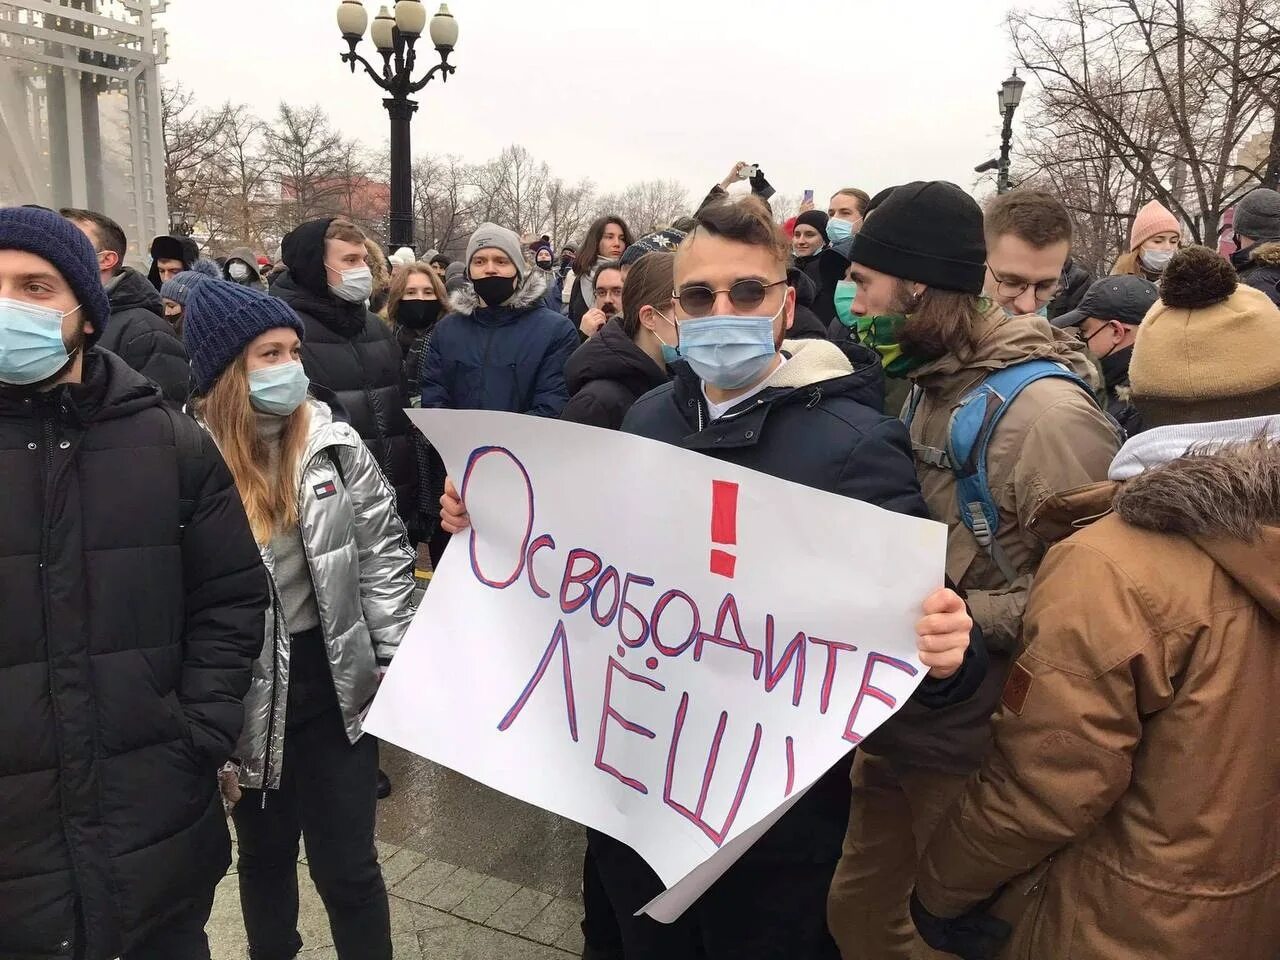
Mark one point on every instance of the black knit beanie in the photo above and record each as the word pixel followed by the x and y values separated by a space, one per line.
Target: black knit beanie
pixel 816 219
pixel 926 232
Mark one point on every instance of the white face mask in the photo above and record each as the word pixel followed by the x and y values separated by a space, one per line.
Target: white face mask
pixel 1156 260
pixel 356 285
pixel 238 271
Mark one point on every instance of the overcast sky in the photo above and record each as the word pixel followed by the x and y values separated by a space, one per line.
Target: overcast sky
pixel 821 93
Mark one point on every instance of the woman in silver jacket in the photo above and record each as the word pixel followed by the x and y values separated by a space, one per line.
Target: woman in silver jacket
pixel 341 573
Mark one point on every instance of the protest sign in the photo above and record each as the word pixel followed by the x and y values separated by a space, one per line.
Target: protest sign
pixel 652 642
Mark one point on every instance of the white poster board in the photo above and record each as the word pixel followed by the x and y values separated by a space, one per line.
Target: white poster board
pixel 652 642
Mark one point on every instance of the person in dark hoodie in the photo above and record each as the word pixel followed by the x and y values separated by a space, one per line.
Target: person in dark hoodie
pixel 792 409
pixel 347 349
pixel 133 599
pixel 139 334
pixel 171 253
pixel 241 267
pixel 500 348
pixel 1257 232
pixel 630 354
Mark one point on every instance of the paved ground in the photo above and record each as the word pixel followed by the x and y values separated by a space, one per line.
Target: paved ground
pixel 473 875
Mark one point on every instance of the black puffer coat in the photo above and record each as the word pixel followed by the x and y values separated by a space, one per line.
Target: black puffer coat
pixel 606 375
pixel 354 354
pixel 126 651
pixel 139 334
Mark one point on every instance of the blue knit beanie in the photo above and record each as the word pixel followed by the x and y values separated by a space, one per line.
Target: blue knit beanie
pixel 48 235
pixel 178 287
pixel 221 319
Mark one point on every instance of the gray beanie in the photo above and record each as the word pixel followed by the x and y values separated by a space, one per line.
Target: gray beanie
pixel 1258 215
pixel 490 235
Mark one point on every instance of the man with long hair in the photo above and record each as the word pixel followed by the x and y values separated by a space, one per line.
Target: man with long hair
pixel 920 263
pixel 133 598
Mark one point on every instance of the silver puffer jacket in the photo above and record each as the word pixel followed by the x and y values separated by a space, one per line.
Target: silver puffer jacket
pixel 362 569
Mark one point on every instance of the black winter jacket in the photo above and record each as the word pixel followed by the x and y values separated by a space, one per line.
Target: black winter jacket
pixel 825 269
pixel 127 647
pixel 139 334
pixel 606 375
pixel 354 354
pixel 1076 281
pixel 819 427
pixel 805 325
pixel 1259 267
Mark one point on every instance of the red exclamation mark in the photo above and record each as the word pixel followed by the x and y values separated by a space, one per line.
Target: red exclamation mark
pixel 724 526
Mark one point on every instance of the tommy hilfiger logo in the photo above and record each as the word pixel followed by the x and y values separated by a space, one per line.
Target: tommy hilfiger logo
pixel 325 490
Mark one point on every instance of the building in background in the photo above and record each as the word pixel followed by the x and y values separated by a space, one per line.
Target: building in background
pixel 80 110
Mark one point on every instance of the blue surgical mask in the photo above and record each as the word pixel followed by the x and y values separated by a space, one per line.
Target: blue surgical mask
pixel 838 230
pixel 31 347
pixel 278 389
pixel 1042 312
pixel 669 353
pixel 728 351
pixel 356 285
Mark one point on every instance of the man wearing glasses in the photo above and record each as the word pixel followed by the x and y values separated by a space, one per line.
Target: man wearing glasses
pixel 1028 235
pixel 922 263
pixel 798 410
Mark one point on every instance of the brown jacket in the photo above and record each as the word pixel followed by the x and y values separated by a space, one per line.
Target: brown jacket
pixel 1136 769
pixel 1052 439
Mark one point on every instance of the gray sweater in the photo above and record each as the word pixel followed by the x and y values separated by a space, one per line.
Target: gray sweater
pixel 292 572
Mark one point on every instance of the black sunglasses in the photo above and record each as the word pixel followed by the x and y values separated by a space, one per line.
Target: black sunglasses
pixel 697 300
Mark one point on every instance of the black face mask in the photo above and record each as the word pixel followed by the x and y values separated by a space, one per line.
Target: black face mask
pixel 1115 367
pixel 494 291
pixel 417 314
pixel 544 265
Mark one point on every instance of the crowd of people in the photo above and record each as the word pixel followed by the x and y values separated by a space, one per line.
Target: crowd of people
pixel 216 504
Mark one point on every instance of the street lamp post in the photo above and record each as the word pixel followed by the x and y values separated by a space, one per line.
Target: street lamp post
pixel 395 37
pixel 1010 96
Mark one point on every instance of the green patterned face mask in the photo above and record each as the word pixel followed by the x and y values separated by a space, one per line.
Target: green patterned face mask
pixel 882 334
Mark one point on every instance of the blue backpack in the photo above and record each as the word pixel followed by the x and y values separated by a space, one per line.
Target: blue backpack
pixel 973 423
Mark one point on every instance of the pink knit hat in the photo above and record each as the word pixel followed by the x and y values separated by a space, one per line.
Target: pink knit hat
pixel 1152 219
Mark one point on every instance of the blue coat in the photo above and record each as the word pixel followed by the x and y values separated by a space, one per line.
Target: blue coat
pixel 509 358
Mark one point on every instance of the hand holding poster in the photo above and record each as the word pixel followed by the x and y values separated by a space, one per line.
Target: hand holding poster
pixel 662 646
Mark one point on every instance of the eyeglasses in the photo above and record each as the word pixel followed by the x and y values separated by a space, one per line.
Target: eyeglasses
pixel 698 300
pixel 1012 289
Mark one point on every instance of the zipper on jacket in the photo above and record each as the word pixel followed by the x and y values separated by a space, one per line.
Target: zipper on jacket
pixel 275 681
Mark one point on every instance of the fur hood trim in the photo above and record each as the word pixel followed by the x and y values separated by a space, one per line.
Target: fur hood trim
pixel 531 292
pixel 1268 253
pixel 810 362
pixel 1212 491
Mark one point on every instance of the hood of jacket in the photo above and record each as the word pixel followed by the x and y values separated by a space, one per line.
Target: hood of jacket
pixel 130 290
pixel 1265 253
pixel 245 256
pixel 1226 499
pixel 611 355
pixel 1001 341
pixel 302 251
pixel 1224 496
pixel 529 295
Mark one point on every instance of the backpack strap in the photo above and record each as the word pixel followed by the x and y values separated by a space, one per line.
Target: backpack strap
pixel 337 464
pixel 189 444
pixel 973 423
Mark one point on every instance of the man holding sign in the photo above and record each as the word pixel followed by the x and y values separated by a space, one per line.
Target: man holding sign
pixel 801 412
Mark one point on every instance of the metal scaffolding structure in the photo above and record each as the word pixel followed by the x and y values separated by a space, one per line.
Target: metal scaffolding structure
pixel 80 114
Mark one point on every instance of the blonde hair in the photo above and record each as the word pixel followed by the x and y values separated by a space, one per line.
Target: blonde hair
pixel 343 229
pixel 400 279
pixel 270 502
